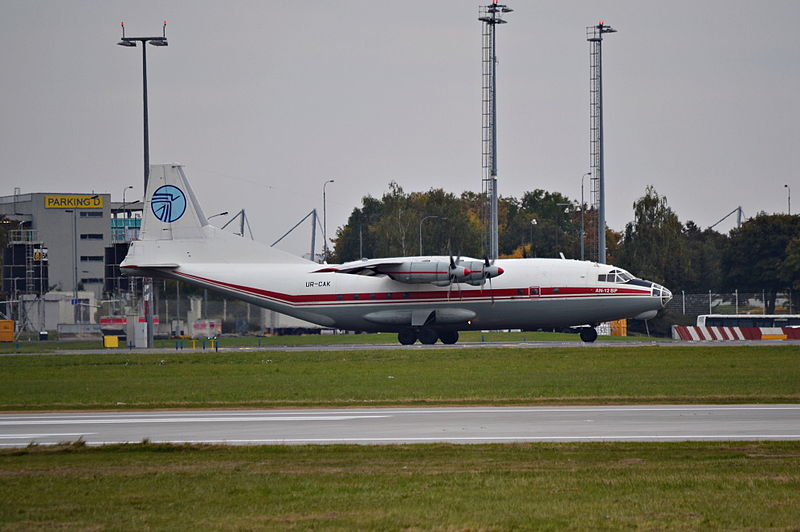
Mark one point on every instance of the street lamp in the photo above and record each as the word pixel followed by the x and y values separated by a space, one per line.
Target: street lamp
pixel 124 203
pixel 559 218
pixel 789 199
pixel 74 262
pixel 325 220
pixel 420 229
pixel 533 223
pixel 583 211
pixel 76 307
pixel 147 282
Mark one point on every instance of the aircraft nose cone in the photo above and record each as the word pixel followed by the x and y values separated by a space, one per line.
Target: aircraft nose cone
pixel 663 293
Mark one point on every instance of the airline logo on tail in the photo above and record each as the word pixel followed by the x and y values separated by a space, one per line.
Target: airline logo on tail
pixel 168 203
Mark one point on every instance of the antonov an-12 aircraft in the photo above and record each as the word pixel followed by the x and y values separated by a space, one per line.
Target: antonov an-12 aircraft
pixel 419 298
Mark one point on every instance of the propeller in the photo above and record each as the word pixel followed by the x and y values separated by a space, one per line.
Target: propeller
pixel 489 270
pixel 457 274
pixel 486 275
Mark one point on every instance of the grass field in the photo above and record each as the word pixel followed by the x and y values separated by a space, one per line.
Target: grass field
pixel 35 346
pixel 688 485
pixel 664 486
pixel 564 375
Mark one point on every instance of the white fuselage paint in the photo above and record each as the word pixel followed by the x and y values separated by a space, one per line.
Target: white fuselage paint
pixel 532 293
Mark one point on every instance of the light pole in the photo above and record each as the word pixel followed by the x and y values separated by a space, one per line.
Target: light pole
pixel 789 199
pixel 533 223
pixel 594 34
pixel 124 203
pixel 420 229
pixel 559 219
pixel 74 263
pixel 147 282
pixel 325 220
pixel 583 211
pixel 154 41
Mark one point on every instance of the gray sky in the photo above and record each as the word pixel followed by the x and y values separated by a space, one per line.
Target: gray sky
pixel 263 101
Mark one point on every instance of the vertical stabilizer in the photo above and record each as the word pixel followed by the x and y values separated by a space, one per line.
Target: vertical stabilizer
pixel 176 232
pixel 171 210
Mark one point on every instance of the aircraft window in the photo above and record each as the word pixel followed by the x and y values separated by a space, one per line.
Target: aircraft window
pixel 356 296
pixel 389 295
pixel 534 291
pixel 602 278
pixel 339 297
pixel 406 295
pixel 373 296
pixel 624 276
pixel 520 291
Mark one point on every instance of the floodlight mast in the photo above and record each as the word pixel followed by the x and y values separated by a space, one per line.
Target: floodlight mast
pixel 490 15
pixel 147 283
pixel 154 41
pixel 594 34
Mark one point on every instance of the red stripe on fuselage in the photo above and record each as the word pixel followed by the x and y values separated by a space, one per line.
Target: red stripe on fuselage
pixel 455 294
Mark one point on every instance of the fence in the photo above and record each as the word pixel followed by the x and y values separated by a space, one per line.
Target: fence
pixel 693 305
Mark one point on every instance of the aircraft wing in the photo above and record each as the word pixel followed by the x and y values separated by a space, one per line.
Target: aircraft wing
pixel 439 271
pixel 366 267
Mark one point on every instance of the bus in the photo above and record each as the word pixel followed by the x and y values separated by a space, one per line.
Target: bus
pixel 748 320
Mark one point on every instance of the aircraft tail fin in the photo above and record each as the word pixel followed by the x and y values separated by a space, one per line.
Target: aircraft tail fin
pixel 175 231
pixel 171 210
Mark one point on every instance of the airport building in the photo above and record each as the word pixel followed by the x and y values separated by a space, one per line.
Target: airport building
pixel 61 265
pixel 63 250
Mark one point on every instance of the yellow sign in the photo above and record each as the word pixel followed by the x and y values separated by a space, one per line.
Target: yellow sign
pixel 73 202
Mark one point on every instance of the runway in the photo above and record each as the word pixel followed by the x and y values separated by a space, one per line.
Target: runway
pixel 410 425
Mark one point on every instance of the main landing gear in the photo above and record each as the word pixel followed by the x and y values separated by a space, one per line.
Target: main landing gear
pixel 588 334
pixel 426 335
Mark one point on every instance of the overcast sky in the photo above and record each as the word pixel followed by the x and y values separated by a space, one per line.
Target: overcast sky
pixel 263 101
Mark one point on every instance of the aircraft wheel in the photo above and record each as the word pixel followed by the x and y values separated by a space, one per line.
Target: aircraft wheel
pixel 428 336
pixel 407 336
pixel 449 337
pixel 588 334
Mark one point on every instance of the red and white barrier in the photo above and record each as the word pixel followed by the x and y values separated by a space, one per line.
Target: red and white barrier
pixel 722 334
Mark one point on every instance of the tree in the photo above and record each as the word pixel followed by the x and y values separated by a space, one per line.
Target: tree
pixel 703 250
pixel 761 255
pixel 557 227
pixel 357 239
pixel 652 246
pixel 390 227
pixel 790 269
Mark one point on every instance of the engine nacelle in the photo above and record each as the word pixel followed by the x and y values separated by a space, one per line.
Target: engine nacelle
pixel 439 273
pixel 414 272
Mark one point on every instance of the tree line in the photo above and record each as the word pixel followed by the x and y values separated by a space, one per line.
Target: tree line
pixel 762 254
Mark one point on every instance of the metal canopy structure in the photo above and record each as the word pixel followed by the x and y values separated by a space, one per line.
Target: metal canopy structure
pixel 490 16
pixel 594 34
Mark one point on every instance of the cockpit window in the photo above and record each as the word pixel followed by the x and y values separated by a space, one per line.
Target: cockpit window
pixel 615 276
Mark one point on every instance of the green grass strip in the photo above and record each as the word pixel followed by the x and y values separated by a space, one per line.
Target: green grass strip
pixel 34 346
pixel 652 374
pixel 589 486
